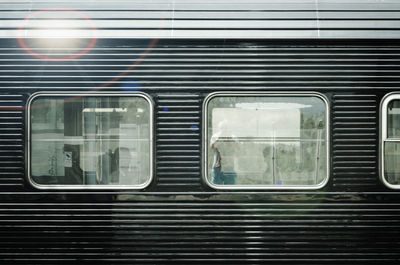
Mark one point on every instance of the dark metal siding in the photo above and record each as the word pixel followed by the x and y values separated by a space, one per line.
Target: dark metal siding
pixel 178 219
pixel 355 141
pixel 178 75
pixel 11 141
pixel 178 141
pixel 215 232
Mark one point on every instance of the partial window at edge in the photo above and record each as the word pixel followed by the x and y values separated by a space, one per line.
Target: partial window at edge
pixel 90 140
pixel 266 141
pixel 390 137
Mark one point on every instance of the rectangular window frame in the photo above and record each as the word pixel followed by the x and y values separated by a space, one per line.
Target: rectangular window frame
pixel 88 94
pixel 384 137
pixel 205 170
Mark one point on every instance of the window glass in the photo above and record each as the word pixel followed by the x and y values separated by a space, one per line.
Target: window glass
pixel 392 162
pixel 90 140
pixel 390 145
pixel 266 140
pixel 393 119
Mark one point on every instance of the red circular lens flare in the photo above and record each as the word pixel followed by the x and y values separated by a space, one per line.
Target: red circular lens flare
pixel 50 58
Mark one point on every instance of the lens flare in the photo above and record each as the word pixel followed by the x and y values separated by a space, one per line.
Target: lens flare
pixel 57 30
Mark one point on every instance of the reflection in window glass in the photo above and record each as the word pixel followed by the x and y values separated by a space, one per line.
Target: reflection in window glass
pixel 392 162
pixel 93 140
pixel 391 144
pixel 266 140
pixel 393 119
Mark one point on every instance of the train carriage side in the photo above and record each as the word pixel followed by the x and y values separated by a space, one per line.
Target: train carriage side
pixel 172 132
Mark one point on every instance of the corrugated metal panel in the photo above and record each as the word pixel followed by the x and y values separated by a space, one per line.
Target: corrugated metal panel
pixel 202 19
pixel 355 140
pixel 179 74
pixel 11 142
pixel 182 232
pixel 196 65
pixel 178 140
pixel 178 220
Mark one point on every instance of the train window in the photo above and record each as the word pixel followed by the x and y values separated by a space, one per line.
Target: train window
pixel 390 141
pixel 90 140
pixel 266 140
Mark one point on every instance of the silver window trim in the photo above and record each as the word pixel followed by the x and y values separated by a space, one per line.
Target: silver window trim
pixel 264 187
pixel 89 94
pixel 384 138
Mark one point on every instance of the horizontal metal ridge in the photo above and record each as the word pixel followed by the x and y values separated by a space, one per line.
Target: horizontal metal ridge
pixel 208 78
pixel 221 14
pixel 342 119
pixel 345 66
pixel 252 47
pixel 201 24
pixel 214 59
pixel 211 205
pixel 217 83
pixel 369 158
pixel 215 51
pixel 183 152
pixel 213 72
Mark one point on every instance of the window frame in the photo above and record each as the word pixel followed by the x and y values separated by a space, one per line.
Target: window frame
pixel 205 150
pixel 56 95
pixel 384 137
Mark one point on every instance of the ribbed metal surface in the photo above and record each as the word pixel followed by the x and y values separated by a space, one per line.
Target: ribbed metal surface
pixel 202 19
pixel 178 140
pixel 179 232
pixel 179 74
pixel 11 142
pixel 193 65
pixel 178 219
pixel 355 140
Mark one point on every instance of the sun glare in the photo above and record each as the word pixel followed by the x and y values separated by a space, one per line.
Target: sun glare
pixel 43 31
